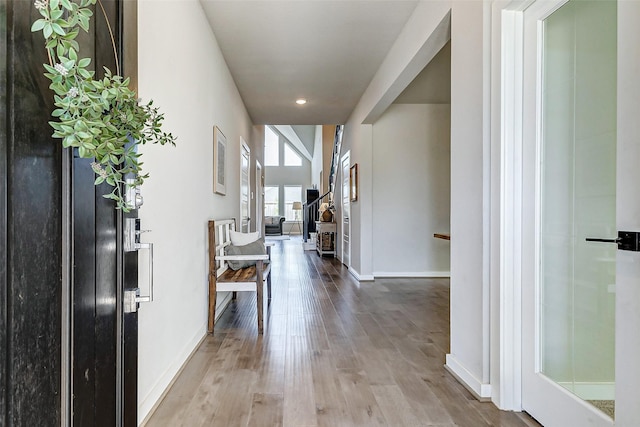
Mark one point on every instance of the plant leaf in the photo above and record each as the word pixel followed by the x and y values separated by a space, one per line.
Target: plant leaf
pixel 38 25
pixel 47 31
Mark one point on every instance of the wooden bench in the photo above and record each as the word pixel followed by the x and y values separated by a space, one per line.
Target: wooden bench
pixel 223 279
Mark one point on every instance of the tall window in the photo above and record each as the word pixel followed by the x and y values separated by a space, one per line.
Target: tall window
pixel 292 193
pixel 271 147
pixel 291 158
pixel 271 200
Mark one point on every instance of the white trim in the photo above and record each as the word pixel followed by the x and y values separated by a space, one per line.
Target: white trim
pixel 222 305
pixel 416 274
pixel 486 193
pixel 510 211
pixel 360 278
pixel 345 157
pixel 482 391
pixel 244 147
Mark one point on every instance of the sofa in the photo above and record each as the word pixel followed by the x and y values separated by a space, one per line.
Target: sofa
pixel 273 225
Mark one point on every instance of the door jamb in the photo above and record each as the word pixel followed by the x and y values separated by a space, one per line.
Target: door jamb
pixel 244 146
pixel 510 271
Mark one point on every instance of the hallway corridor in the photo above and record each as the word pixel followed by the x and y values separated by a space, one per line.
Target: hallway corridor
pixel 334 353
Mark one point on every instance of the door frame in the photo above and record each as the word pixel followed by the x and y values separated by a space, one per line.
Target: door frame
pixel 245 147
pixel 510 205
pixel 343 176
pixel 259 198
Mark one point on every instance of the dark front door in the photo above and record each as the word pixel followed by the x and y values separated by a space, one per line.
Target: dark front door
pixel 68 352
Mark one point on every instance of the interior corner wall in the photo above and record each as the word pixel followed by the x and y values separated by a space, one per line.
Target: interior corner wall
pixel 358 137
pixel 469 322
pixel 178 196
pixel 411 189
pixel 358 141
pixel 468 358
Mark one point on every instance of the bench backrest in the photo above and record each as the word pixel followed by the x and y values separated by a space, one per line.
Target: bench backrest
pixel 219 238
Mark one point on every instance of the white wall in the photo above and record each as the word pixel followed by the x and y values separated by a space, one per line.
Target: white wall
pixel 469 137
pixel 411 188
pixel 408 52
pixel 184 72
pixel 422 37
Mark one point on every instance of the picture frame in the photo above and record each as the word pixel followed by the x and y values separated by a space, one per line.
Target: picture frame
pixel 219 161
pixel 353 183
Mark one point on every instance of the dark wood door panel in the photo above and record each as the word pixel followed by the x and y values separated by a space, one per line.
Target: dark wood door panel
pixel 31 229
pixel 37 229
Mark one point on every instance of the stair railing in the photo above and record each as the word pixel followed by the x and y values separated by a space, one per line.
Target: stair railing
pixel 307 209
pixel 335 161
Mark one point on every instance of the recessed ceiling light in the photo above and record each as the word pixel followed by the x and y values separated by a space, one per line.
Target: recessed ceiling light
pixel 301 101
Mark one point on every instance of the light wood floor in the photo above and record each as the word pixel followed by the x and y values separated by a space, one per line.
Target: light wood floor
pixel 334 353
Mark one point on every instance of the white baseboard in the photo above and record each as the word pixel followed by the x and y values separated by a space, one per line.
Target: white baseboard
pixel 150 402
pixel 222 305
pixel 592 391
pixel 480 390
pixel 416 274
pixel 360 278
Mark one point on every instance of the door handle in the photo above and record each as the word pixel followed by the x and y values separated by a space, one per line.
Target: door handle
pixel 149 297
pixel 626 241
pixel 595 239
pixel 132 244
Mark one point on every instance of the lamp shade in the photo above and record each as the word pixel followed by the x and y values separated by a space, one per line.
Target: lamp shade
pixel 297 206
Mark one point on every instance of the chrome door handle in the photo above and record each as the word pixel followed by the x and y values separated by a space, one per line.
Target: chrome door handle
pixel 147 298
pixel 132 244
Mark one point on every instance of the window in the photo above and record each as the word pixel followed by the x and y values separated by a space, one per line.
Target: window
pixel 271 147
pixel 271 200
pixel 292 193
pixel 291 158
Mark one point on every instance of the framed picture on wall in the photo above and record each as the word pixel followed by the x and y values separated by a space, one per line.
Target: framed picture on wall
pixel 353 183
pixel 219 161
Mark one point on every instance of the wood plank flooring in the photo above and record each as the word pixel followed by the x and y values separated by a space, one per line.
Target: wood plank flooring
pixel 334 352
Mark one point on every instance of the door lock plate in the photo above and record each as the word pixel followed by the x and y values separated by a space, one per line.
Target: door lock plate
pixel 131 300
pixel 629 241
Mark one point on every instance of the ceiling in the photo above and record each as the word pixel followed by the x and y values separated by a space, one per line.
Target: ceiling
pixel 326 51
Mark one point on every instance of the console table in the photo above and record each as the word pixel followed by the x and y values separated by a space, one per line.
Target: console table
pixel 326 238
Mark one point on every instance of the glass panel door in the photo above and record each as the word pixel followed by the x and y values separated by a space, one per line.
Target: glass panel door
pixel 569 194
pixel 578 200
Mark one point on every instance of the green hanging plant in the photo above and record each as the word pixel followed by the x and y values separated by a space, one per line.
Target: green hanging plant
pixel 102 118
